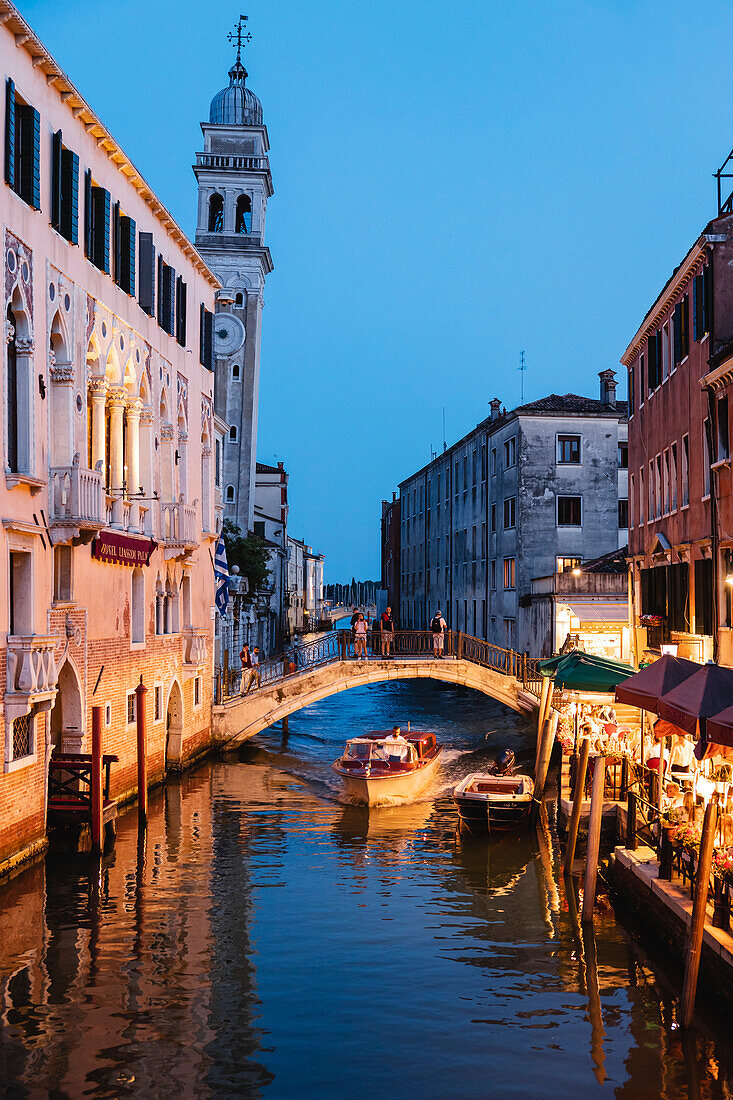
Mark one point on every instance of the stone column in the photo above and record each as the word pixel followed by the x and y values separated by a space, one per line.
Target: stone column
pixel 132 458
pixel 116 453
pixel 182 465
pixel 98 393
pixel 166 463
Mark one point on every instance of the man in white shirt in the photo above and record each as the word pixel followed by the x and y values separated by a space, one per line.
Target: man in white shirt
pixel 395 746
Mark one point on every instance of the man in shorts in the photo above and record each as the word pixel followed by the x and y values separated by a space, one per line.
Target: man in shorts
pixel 386 636
pixel 438 626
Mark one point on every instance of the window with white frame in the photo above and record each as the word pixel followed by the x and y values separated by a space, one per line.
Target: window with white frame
pixel 673 478
pixel 706 457
pixel 685 471
pixel 131 711
pixel 510 453
pixel 568 450
pixel 22 740
pixel 509 573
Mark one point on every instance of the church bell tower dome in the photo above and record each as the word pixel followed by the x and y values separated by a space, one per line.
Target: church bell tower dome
pixel 236 105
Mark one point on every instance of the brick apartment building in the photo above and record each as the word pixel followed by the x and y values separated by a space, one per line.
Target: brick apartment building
pixel 680 370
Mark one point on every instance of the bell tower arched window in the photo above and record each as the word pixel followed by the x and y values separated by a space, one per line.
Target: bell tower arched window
pixel 216 213
pixel 243 221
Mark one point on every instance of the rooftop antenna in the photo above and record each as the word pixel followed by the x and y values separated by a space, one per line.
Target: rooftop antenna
pixel 445 445
pixel 522 368
pixel 238 36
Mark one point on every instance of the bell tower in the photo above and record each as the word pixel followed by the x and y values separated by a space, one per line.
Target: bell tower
pixel 234 181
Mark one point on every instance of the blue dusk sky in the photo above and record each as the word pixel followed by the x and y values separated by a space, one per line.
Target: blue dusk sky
pixel 453 183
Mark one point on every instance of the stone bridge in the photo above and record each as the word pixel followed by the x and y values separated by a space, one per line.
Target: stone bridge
pixel 240 717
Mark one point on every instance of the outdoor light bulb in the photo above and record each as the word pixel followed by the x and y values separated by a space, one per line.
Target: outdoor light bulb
pixel 576 572
pixel 729 578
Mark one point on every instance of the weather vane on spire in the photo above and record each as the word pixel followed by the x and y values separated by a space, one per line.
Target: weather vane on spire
pixel 239 37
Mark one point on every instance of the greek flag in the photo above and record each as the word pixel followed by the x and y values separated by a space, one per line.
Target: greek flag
pixel 221 572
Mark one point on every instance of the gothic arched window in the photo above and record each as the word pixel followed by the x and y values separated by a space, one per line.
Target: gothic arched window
pixel 216 213
pixel 13 396
pixel 243 223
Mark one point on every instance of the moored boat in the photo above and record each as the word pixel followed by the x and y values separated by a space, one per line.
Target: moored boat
pixel 381 767
pixel 495 801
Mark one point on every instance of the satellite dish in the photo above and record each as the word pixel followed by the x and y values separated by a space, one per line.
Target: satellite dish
pixel 228 334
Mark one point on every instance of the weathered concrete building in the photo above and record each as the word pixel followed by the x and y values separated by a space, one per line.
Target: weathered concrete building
pixel 391 557
pixel 109 494
pixel 528 492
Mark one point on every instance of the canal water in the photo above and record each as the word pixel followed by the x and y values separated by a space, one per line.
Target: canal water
pixel 265 939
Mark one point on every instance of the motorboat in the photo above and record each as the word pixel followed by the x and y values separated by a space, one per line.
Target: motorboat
pixel 385 766
pixel 495 801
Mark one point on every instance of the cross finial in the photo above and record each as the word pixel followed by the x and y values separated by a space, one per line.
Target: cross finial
pixel 238 36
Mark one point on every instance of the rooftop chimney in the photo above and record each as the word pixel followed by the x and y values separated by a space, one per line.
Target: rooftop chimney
pixel 495 406
pixel 608 386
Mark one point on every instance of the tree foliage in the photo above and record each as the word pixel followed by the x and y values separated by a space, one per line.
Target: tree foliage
pixel 250 553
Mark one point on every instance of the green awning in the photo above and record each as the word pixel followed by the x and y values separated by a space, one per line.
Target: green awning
pixel 583 672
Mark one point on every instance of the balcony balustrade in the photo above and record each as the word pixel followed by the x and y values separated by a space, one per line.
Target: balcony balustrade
pixel 77 501
pixel 178 527
pixel 218 160
pixel 31 670
pixel 194 646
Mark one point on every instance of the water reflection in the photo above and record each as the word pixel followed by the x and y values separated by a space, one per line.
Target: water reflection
pixel 261 938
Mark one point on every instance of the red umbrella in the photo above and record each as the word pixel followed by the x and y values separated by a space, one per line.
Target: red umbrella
pixel 698 698
pixel 645 689
pixel 720 728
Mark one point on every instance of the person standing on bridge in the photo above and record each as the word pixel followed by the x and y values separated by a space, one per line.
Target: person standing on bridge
pixel 246 660
pixel 438 627
pixel 360 637
pixel 354 621
pixel 387 632
pixel 255 676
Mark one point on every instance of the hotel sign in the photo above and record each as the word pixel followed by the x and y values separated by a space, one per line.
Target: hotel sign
pixel 120 549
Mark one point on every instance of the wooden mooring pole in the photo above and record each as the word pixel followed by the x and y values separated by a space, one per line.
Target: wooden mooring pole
pixel 594 838
pixel 542 714
pixel 96 782
pixel 142 753
pixel 693 944
pixel 543 760
pixel 577 806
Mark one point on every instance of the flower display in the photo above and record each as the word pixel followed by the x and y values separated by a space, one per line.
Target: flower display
pixel 685 836
pixel 723 864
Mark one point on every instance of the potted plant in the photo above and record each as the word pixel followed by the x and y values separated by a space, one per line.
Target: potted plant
pixel 721 776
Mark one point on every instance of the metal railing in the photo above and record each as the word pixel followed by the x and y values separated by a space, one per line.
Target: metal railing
pixel 339 645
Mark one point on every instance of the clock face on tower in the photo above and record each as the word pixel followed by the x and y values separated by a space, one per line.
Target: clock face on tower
pixel 228 334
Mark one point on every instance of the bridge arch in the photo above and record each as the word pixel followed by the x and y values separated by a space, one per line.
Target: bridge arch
pixel 240 718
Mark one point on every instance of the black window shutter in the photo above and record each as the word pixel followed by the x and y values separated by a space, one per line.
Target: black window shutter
pixel 208 340
pixel 161 265
pixel 35 120
pixel 168 302
pixel 101 212
pixel 127 232
pixel 116 245
pixel 707 292
pixel 69 223
pixel 202 325
pixel 10 132
pixel 28 155
pixel 146 275
pixel 678 333
pixel 181 311
pixel 88 214
pixel 56 147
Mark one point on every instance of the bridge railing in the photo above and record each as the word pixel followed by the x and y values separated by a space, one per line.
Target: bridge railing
pixel 339 645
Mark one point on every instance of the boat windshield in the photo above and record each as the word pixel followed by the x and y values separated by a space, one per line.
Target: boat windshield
pixel 361 750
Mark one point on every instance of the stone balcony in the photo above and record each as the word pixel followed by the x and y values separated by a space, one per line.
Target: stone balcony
pixel 195 646
pixel 178 526
pixel 31 673
pixel 77 502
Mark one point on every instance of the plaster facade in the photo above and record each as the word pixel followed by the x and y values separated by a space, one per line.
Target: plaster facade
pixel 521 493
pixel 108 493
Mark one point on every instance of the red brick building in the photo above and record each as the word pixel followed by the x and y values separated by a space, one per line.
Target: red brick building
pixel 680 369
